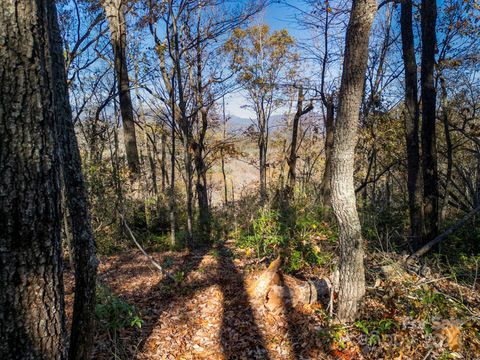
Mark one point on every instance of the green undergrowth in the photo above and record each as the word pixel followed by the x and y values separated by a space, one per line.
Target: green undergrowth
pixel 301 232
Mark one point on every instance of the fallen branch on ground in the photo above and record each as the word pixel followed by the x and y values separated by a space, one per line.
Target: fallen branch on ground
pixel 397 270
pixel 149 257
pixel 427 247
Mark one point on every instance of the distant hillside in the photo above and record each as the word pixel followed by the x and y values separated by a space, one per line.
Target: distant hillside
pixel 237 123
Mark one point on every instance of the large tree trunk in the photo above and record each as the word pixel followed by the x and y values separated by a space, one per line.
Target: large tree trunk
pixel 115 10
pixel 351 268
pixel 32 321
pixel 429 151
pixel 83 243
pixel 411 119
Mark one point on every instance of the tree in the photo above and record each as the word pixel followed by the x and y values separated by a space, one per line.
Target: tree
pixel 32 324
pixel 262 61
pixel 326 19
pixel 115 10
pixel 83 243
pixel 351 268
pixel 292 158
pixel 411 120
pixel 429 152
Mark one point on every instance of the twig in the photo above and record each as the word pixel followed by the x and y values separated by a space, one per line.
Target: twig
pixel 149 257
pixel 428 354
pixel 420 283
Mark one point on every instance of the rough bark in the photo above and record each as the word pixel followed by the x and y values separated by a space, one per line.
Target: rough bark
pixel 115 10
pixel 351 268
pixel 429 152
pixel 411 121
pixel 83 243
pixel 32 324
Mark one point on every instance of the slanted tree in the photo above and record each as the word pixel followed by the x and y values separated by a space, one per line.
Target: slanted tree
pixel 351 268
pixel 80 228
pixel 32 320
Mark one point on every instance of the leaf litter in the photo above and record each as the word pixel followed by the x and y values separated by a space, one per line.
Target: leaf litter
pixel 210 315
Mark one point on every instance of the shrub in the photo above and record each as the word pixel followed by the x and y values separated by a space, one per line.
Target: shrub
pixel 113 313
pixel 301 232
pixel 266 235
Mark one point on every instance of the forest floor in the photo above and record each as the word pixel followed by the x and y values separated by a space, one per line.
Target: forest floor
pixel 209 315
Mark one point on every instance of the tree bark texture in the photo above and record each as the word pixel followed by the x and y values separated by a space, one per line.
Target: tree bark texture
pixel 411 121
pixel 83 242
pixel 115 10
pixel 351 268
pixel 32 322
pixel 429 152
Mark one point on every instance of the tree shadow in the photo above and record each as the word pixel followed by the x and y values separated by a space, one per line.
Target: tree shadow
pixel 304 342
pixel 289 311
pixel 240 335
pixel 166 292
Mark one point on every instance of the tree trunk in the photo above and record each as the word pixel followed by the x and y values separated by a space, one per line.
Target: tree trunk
pixel 224 174
pixel 172 204
pixel 351 268
pixel 115 10
pixel 292 159
pixel 449 146
pixel 262 149
pixel 201 184
pixel 150 172
pixel 83 242
pixel 185 127
pixel 325 187
pixel 163 167
pixel 32 320
pixel 411 121
pixel 429 151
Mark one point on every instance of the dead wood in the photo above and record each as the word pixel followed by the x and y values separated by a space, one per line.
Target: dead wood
pixel 274 290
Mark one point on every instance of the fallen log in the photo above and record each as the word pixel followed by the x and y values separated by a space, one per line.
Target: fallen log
pixel 275 290
pixel 292 292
